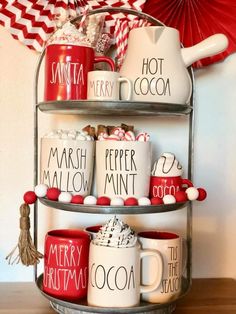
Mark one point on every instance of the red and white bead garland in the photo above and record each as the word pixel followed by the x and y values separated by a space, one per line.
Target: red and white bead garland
pixel 54 194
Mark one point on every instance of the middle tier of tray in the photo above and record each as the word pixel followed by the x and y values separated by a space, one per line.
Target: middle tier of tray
pixel 117 108
pixel 127 210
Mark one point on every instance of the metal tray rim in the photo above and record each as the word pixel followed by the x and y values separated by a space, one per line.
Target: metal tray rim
pixel 110 107
pixel 142 307
pixel 128 210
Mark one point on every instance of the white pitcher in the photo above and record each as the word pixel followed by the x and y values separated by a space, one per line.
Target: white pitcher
pixel 157 65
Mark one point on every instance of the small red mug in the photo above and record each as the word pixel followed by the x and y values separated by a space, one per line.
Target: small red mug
pixel 161 186
pixel 66 71
pixel 66 264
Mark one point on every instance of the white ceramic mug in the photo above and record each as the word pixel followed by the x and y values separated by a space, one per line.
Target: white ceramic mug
pixel 114 275
pixel 67 164
pixel 106 85
pixel 123 168
pixel 169 245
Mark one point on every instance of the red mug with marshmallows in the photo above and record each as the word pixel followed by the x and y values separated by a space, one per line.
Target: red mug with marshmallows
pixel 66 264
pixel 166 177
pixel 66 71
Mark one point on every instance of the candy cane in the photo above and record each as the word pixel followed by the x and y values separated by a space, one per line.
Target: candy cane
pixel 82 22
pixel 121 37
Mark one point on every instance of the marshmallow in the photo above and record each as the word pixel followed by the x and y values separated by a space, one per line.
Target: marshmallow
pixel 102 136
pixel 113 137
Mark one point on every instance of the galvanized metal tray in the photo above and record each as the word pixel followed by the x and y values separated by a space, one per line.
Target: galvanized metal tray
pixel 127 210
pixel 82 307
pixel 118 108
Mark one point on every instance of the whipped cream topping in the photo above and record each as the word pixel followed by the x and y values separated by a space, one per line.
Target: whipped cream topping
pixel 167 166
pixel 115 233
pixel 69 135
pixel 67 34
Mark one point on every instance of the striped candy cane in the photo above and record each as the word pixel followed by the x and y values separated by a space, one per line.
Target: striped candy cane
pixel 83 19
pixel 121 37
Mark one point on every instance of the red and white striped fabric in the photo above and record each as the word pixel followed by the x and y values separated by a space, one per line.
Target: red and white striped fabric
pixel 33 21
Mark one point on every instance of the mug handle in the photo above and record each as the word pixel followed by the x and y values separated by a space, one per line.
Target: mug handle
pixel 187 182
pixel 105 59
pixel 124 79
pixel 156 283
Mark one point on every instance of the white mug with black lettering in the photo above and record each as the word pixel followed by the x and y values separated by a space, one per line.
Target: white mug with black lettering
pixel 114 275
pixel 106 85
pixel 123 168
pixel 170 246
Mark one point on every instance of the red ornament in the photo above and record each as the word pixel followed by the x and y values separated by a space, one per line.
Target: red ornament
pixel 30 197
pixel 156 201
pixel 131 201
pixel 103 200
pixel 181 196
pixel 53 194
pixel 202 194
pixel 77 199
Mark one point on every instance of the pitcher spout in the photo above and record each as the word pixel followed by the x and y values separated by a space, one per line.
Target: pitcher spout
pixel 206 48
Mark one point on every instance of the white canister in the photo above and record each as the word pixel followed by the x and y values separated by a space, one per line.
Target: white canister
pixel 123 168
pixel 67 164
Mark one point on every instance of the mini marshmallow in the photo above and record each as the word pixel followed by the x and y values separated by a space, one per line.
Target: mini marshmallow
pixel 72 134
pixel 90 200
pixel 41 190
pixel 65 197
pixel 102 136
pixel 89 138
pixel 144 201
pixel 117 201
pixel 129 136
pixel 192 193
pixel 143 137
pixel 113 137
pixel 169 199
pixel 83 132
pixel 81 137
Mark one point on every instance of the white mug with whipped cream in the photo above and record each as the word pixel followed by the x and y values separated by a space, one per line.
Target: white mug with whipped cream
pixel 114 267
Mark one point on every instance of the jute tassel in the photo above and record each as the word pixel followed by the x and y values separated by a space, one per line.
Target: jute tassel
pixel 28 255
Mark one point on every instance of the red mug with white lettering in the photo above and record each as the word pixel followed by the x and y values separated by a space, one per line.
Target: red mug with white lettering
pixel 161 186
pixel 66 70
pixel 66 264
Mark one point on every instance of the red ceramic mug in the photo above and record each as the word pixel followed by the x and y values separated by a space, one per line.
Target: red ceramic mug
pixel 66 70
pixel 161 186
pixel 66 264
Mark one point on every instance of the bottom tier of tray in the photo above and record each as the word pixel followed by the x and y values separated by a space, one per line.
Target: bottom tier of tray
pixel 81 307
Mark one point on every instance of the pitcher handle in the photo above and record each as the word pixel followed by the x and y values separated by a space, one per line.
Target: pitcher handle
pixel 159 273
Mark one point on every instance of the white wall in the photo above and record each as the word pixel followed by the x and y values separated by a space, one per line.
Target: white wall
pixel 214 229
